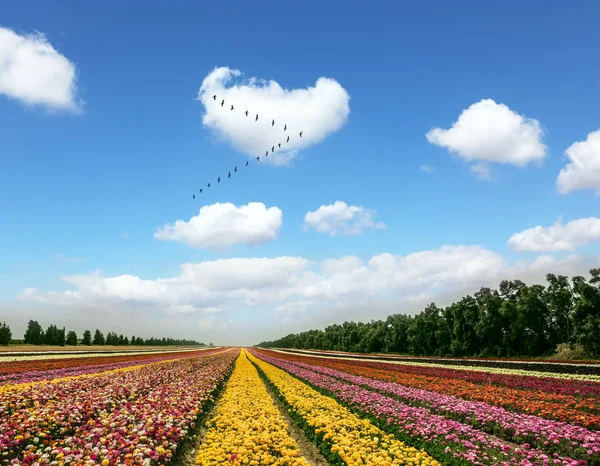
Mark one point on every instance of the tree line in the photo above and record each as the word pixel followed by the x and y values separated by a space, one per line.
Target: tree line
pixel 35 335
pixel 515 320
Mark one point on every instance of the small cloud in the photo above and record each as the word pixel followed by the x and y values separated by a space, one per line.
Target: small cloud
pixel 583 170
pixel 62 258
pixel 317 111
pixel 557 237
pixel 340 218
pixel 427 168
pixel 491 132
pixel 481 171
pixel 220 226
pixel 32 71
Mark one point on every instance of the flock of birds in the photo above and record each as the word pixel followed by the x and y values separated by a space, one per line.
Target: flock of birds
pixel 273 148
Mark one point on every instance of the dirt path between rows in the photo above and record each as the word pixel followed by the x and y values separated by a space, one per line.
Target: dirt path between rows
pixel 307 448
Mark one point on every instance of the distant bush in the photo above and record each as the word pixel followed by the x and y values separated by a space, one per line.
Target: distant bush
pixel 564 351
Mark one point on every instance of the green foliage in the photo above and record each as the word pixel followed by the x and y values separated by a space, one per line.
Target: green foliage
pixel 34 335
pixel 516 320
pixel 5 334
pixel 71 338
pixel 87 338
pixel 98 338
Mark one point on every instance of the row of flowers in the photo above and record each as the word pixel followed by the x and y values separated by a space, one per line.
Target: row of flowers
pixel 247 427
pixel 343 437
pixel 126 416
pixel 529 382
pixel 545 365
pixel 474 368
pixel 566 408
pixel 449 441
pixel 11 364
pixel 23 373
pixel 548 435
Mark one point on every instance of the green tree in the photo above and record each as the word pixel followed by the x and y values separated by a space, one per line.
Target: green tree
pixel 559 296
pixel 34 335
pixel 71 338
pixel 98 338
pixel 87 338
pixel 5 334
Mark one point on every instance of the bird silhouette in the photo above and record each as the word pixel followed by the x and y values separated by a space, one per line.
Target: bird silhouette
pixel 246 112
pixel 266 153
pixel 229 175
pixel 209 185
pixel 273 123
pixel 219 179
pixel 256 117
pixel 215 97
pixel 279 145
pixel 223 102
pixel 235 169
pixel 194 196
pixel 258 159
pixel 200 190
pixel 246 163
pixel 301 133
pixel 232 107
pixel 273 149
pixel 285 127
pixel 288 139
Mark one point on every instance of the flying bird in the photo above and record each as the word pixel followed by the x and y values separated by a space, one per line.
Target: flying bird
pixel 246 163
pixel 266 153
pixel 285 127
pixel 223 102
pixel 288 139
pixel 246 112
pixel 258 159
pixel 301 133
pixel 194 196
pixel 256 117
pixel 209 185
pixel 229 175
pixel 200 190
pixel 279 145
pixel 273 149
pixel 232 107
pixel 235 170
pixel 219 179
pixel 273 123
pixel 215 97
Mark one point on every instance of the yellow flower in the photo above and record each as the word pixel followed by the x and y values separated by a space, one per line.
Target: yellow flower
pixel 247 428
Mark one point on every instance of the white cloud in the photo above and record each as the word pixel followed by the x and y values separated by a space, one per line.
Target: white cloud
pixel 583 170
pixel 32 71
pixel 491 132
pixel 481 171
pixel 427 168
pixel 283 291
pixel 317 111
pixel 557 237
pixel 62 258
pixel 220 226
pixel 340 218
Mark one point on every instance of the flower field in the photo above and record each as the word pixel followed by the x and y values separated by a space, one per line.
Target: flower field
pixel 150 409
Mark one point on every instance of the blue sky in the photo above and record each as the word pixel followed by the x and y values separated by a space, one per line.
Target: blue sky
pixel 98 183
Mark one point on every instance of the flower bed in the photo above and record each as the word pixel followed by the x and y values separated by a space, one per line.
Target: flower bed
pixel 124 416
pixel 443 438
pixel 343 437
pixel 548 435
pixel 247 426
pixel 571 409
